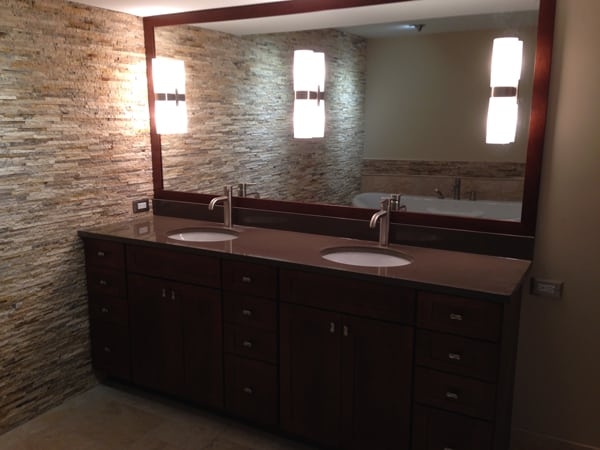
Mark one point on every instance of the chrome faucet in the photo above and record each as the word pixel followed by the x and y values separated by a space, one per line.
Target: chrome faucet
pixel 456 189
pixel 243 190
pixel 227 210
pixel 383 216
pixel 439 193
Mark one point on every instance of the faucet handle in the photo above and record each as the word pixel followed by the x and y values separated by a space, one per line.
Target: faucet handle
pixel 396 203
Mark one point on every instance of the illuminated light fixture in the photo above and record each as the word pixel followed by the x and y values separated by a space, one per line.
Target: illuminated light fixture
pixel 507 58
pixel 170 111
pixel 309 102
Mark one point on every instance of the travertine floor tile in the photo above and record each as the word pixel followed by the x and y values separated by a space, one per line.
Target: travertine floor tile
pixel 109 418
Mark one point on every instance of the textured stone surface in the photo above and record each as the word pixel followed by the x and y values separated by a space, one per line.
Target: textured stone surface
pixel 240 98
pixel 488 180
pixel 74 152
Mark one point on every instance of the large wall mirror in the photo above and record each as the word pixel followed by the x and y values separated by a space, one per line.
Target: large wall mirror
pixel 406 96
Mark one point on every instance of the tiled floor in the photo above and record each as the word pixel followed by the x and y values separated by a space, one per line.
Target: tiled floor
pixel 113 418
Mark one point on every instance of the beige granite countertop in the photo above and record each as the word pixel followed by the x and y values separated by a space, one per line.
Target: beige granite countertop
pixel 459 272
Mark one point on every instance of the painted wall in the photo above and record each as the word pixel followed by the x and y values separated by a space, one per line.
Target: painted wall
pixel 427 97
pixel 74 152
pixel 558 370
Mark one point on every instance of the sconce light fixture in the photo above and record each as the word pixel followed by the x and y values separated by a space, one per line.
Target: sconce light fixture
pixel 309 102
pixel 170 111
pixel 507 57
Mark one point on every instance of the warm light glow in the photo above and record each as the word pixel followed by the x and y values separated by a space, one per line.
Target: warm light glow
pixel 502 120
pixel 170 111
pixel 507 57
pixel 309 104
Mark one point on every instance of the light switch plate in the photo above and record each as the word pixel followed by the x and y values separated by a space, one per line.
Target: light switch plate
pixel 141 205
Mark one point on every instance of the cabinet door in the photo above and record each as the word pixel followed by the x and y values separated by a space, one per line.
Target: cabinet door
pixel 156 334
pixel 203 344
pixel 377 384
pixel 310 374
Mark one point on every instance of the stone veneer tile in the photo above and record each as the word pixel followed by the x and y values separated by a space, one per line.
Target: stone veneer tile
pixel 74 152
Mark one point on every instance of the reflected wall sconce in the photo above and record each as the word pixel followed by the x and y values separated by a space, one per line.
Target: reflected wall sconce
pixel 309 95
pixel 507 58
pixel 170 111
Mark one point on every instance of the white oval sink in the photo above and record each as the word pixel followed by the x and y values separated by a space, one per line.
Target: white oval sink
pixel 366 256
pixel 203 235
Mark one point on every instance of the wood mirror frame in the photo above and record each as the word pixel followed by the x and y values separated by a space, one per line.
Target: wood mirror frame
pixel 537 123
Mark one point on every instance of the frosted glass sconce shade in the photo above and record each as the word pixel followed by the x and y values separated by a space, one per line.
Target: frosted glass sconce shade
pixel 170 111
pixel 507 57
pixel 309 97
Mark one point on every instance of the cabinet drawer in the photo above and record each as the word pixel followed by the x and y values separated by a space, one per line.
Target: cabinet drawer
pixel 251 343
pixel 439 430
pixel 110 349
pixel 457 354
pixel 106 281
pixel 251 390
pixel 349 295
pixel 471 397
pixel 253 311
pixel 174 265
pixel 108 309
pixel 250 278
pixel 457 315
pixel 103 253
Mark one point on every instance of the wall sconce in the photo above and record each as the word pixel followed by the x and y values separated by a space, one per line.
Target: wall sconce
pixel 309 97
pixel 170 111
pixel 507 58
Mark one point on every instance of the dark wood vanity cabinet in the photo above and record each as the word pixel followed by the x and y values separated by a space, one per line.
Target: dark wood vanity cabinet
pixel 339 360
pixel 346 380
pixel 250 341
pixel 109 310
pixel 176 323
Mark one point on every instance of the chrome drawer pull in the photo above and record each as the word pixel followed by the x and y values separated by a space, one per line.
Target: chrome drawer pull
pixel 451 395
pixel 332 327
pixel 103 283
pixel 246 279
pixel 247 344
pixel 247 312
pixel 104 310
pixel 454 316
pixel 172 295
pixel 454 356
pixel 345 331
pixel 107 350
pixel 248 390
pixel 101 254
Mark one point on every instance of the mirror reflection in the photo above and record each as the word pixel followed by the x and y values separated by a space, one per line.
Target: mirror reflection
pixel 405 113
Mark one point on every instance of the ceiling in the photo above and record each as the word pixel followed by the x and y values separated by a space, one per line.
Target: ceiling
pixel 421 11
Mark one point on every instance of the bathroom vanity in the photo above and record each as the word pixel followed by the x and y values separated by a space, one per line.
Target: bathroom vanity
pixel 263 328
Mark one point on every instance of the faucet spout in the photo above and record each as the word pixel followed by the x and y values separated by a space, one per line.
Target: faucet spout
pixel 383 216
pixel 227 209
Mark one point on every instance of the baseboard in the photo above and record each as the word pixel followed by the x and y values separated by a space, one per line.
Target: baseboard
pixel 527 440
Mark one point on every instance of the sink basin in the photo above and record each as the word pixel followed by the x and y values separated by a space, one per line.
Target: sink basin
pixel 203 235
pixel 366 256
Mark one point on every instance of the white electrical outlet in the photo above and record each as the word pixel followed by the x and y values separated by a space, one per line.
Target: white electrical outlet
pixel 548 288
pixel 141 205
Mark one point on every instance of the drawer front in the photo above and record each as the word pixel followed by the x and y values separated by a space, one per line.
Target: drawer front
pixel 101 253
pixel 348 295
pixel 107 282
pixel 252 311
pixel 251 389
pixel 457 315
pixel 439 430
pixel 250 278
pixel 251 343
pixel 454 393
pixel 110 349
pixel 108 309
pixel 456 354
pixel 174 265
